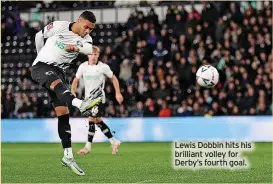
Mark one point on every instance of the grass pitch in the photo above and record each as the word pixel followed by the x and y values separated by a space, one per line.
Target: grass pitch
pixel 135 163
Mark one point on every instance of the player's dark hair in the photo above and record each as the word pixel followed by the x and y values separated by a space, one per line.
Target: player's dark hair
pixel 88 15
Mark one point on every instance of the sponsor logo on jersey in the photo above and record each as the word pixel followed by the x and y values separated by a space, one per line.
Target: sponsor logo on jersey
pixel 79 43
pixel 60 45
pixel 92 77
pixel 49 26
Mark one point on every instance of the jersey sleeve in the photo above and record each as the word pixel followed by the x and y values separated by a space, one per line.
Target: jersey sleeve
pixel 47 32
pixel 52 28
pixel 107 71
pixel 79 73
pixel 86 46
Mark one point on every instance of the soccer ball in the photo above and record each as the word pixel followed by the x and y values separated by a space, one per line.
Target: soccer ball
pixel 207 76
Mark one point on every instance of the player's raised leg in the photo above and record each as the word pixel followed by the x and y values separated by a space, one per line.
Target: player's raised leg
pixel 52 79
pixel 65 95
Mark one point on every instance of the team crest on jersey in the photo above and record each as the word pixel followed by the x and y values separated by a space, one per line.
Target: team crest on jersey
pixel 79 43
pixel 49 73
pixel 50 26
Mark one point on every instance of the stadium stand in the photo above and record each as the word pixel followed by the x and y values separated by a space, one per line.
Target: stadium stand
pixel 156 61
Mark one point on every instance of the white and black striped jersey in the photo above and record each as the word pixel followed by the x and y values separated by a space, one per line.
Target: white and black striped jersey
pixel 55 37
pixel 94 77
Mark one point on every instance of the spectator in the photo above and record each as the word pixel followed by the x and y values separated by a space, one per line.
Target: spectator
pixel 125 70
pixel 165 111
pixel 152 38
pixel 26 110
pixel 139 111
pixel 185 110
pixel 8 106
pixel 160 53
pixel 150 109
pixel 123 112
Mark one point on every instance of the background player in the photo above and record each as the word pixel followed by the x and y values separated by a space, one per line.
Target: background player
pixel 93 72
pixel 58 44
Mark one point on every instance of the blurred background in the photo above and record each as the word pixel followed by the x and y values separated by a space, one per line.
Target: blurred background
pixel 155 49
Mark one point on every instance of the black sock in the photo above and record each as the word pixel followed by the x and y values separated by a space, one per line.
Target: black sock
pixel 91 131
pixel 105 129
pixel 64 130
pixel 64 94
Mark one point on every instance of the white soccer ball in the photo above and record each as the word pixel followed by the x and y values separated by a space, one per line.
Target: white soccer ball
pixel 207 76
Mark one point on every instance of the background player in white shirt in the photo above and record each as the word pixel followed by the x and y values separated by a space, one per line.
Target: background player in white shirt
pixel 94 73
pixel 58 44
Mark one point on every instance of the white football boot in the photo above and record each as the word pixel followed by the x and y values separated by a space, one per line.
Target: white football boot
pixel 70 162
pixel 89 103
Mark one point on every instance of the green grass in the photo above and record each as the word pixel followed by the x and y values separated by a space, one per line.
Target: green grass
pixel 136 162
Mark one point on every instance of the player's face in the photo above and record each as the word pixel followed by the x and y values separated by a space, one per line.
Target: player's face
pixel 93 58
pixel 85 27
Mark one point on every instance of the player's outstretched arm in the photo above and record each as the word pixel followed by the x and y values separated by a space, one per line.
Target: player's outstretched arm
pixel 85 48
pixel 119 97
pixel 39 41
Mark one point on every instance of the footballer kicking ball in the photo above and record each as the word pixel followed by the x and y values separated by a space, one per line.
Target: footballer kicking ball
pixel 207 76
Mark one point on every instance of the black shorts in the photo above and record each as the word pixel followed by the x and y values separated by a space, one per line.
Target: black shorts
pixel 97 111
pixel 44 74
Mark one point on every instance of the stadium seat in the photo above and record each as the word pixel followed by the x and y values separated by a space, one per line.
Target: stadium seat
pixel 14 43
pixel 6 51
pixel 19 65
pixel 21 44
pixel 7 44
pixel 13 51
pixel 109 33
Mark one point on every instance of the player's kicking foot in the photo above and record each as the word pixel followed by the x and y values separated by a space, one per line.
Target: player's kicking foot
pixel 70 162
pixel 87 104
pixel 115 147
pixel 83 151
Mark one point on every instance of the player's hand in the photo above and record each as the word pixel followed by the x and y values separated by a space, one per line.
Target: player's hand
pixel 119 98
pixel 71 48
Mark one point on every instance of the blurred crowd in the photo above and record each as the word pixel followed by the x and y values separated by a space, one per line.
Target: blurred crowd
pixel 156 64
